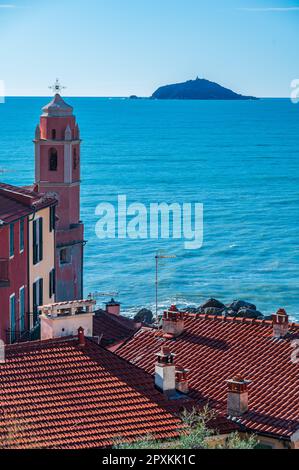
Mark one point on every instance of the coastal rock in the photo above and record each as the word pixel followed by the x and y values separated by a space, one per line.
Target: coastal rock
pixel 213 311
pixel 237 304
pixel 268 317
pixel 144 315
pixel 230 313
pixel 249 313
pixel 212 303
pixel 190 310
pixel 199 89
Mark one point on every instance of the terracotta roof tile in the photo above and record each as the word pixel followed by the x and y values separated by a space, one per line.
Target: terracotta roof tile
pixel 113 328
pixel 214 349
pixel 17 202
pixel 54 394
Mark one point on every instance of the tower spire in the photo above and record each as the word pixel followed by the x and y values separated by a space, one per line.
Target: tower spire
pixel 57 87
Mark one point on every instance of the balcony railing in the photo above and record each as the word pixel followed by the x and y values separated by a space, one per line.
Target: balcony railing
pixel 4 271
pixel 15 335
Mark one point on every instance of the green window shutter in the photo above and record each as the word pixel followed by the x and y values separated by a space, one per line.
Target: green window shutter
pixel 54 281
pixel 11 240
pixel 40 254
pixel 34 303
pixel 13 318
pixel 52 218
pixel 21 234
pixel 50 284
pixel 41 292
pixel 34 244
pixel 22 309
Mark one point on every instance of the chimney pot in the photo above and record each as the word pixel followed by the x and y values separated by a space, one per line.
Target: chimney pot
pixel 280 323
pixel 173 321
pixel 182 379
pixel 165 372
pixel 113 307
pixel 81 337
pixel 237 400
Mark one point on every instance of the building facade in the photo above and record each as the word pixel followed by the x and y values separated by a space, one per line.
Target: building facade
pixel 57 173
pixel 41 261
pixel 13 269
pixel 27 259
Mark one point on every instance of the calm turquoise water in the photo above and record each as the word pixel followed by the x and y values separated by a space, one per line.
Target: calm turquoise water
pixel 240 159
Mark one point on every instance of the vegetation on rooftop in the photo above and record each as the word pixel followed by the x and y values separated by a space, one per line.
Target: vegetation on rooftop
pixel 197 435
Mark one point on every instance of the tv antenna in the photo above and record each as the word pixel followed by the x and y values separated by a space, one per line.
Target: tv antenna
pixel 96 295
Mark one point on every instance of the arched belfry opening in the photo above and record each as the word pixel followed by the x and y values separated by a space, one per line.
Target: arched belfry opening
pixel 53 159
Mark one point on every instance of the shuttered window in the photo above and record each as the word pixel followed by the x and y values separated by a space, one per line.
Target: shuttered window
pixel 11 240
pixel 52 283
pixel 37 240
pixel 52 218
pixel 12 311
pixel 35 303
pixel 35 245
pixel 41 292
pixel 38 295
pixel 22 309
pixel 40 239
pixel 21 234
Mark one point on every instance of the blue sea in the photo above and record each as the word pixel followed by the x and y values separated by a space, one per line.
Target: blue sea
pixel 239 158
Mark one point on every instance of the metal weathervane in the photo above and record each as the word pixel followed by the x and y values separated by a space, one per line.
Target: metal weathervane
pixel 57 87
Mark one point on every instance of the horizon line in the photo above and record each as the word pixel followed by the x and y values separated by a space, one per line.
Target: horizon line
pixel 138 97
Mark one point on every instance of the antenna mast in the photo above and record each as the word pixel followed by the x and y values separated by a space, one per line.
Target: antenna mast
pixel 158 257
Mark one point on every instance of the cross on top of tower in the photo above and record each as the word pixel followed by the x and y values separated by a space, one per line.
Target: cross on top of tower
pixel 57 87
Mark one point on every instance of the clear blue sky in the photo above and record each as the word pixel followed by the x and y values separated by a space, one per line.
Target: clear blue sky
pixel 121 47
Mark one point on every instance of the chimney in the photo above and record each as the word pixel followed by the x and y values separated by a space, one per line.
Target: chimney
pixel 280 323
pixel 81 337
pixel 237 400
pixel 113 307
pixel 64 318
pixel 181 379
pixel 173 322
pixel 165 372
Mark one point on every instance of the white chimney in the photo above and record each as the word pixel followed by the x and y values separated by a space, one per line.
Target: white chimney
pixel 173 322
pixel 237 399
pixel 165 372
pixel 65 318
pixel 113 307
pixel 280 323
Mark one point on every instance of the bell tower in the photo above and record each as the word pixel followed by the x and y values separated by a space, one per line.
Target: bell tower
pixel 57 171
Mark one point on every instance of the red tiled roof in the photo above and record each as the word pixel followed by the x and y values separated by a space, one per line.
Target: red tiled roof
pixel 215 349
pixel 17 202
pixel 113 328
pixel 54 394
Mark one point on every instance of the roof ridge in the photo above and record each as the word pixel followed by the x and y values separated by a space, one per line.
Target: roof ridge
pixel 119 319
pixel 257 321
pixel 40 342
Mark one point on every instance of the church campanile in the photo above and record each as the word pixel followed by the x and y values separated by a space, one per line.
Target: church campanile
pixel 57 171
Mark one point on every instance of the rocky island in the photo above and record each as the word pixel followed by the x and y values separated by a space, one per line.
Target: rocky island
pixel 198 89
